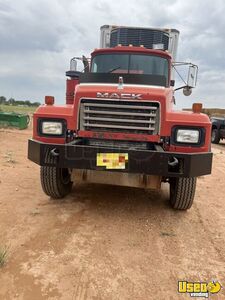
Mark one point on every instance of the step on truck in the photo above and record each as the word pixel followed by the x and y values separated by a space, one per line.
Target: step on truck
pixel 118 125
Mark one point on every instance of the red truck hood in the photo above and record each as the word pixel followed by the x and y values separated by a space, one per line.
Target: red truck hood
pixel 133 92
pixel 147 92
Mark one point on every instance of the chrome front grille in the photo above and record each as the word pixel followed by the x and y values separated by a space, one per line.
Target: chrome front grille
pixel 127 116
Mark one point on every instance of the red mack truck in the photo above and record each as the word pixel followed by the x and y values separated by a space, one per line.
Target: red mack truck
pixel 118 125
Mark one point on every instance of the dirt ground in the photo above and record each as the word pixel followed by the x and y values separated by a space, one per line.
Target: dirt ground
pixel 105 242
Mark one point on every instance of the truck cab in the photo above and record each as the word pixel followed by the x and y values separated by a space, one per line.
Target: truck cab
pixel 118 125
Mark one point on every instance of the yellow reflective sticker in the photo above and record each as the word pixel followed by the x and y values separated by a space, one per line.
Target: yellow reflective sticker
pixel 112 160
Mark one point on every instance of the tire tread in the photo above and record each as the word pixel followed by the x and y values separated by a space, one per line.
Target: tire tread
pixel 183 194
pixel 51 182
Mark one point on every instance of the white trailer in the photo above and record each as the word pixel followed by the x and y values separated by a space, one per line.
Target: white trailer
pixel 153 38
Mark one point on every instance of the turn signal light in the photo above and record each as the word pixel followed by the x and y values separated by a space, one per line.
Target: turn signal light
pixel 197 108
pixel 49 100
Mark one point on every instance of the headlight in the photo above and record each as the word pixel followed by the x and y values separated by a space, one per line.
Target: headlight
pixel 52 128
pixel 189 136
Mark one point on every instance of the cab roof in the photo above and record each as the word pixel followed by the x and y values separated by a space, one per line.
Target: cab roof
pixel 132 49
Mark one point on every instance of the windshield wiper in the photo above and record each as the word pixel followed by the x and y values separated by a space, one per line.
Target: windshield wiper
pixel 114 69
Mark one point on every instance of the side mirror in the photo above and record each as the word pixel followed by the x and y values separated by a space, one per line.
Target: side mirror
pixel 192 76
pixel 74 67
pixel 73 64
pixel 187 90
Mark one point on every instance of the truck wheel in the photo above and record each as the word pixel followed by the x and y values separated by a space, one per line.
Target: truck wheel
pixel 56 182
pixel 182 192
pixel 215 138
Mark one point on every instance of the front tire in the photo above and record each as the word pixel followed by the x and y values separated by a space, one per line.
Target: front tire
pixel 55 182
pixel 215 138
pixel 182 192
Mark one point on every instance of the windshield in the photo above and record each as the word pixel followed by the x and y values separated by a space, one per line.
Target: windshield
pixel 130 64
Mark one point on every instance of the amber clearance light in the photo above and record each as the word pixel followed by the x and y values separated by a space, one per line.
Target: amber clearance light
pixel 197 108
pixel 49 100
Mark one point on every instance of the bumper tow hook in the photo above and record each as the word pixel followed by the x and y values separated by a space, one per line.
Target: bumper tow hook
pixel 173 163
pixel 54 152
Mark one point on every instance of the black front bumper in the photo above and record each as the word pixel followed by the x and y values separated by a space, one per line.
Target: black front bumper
pixel 151 162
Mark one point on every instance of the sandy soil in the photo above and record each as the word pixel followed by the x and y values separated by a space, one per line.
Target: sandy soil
pixel 105 242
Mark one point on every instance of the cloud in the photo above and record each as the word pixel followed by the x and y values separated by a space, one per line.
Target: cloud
pixel 39 37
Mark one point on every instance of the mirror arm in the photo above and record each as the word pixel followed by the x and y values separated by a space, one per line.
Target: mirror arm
pixel 180 88
pixel 86 64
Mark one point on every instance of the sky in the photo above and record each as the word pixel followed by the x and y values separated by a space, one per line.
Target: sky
pixel 38 38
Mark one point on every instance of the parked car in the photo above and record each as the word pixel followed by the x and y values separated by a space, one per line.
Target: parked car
pixel 218 129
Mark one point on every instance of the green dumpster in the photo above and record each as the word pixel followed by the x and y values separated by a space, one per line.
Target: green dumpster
pixel 20 121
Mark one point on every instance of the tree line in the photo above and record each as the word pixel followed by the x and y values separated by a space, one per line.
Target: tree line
pixel 14 102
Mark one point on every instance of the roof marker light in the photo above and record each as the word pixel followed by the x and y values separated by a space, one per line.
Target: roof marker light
pixel 158 46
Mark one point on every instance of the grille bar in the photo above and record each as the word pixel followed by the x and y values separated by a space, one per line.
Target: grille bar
pixel 106 112
pixel 119 106
pixel 118 126
pixel 119 120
